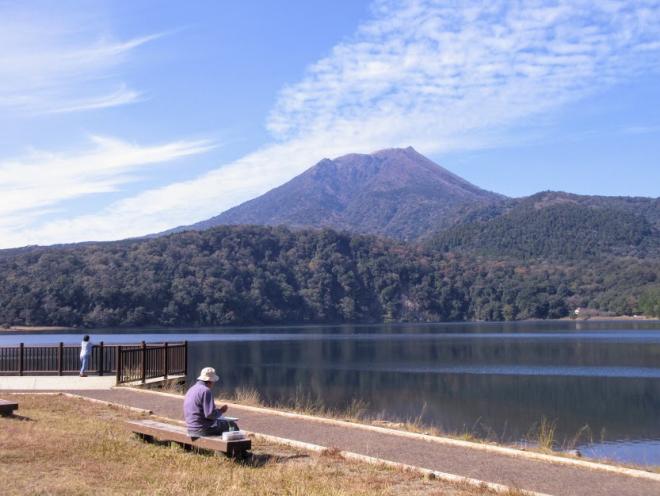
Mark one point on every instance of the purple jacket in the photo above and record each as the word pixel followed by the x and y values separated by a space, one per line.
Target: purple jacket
pixel 199 408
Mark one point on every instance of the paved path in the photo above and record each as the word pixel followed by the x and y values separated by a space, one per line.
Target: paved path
pixel 64 382
pixel 533 475
pixel 55 383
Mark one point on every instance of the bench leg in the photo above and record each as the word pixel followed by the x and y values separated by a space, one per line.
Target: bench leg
pixel 238 454
pixel 144 437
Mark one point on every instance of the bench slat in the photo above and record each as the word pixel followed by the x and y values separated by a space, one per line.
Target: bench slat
pixel 168 432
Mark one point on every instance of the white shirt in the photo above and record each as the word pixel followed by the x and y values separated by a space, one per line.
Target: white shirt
pixel 85 348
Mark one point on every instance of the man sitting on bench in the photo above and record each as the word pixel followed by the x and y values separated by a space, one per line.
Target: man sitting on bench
pixel 199 411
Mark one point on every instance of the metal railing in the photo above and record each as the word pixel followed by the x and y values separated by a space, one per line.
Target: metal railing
pixel 129 362
pixel 149 361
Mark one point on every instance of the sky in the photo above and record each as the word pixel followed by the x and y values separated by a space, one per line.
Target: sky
pixel 120 119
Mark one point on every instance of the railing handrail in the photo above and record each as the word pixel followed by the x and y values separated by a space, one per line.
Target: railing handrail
pixel 105 345
pixel 131 361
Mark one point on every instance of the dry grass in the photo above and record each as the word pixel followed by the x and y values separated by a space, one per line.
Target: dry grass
pixel 356 412
pixel 544 435
pixel 247 396
pixel 63 446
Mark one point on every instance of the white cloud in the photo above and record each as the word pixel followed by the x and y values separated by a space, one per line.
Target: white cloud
pixel 53 65
pixel 438 75
pixel 432 70
pixel 40 182
pixel 170 206
pixel 641 129
pixel 121 96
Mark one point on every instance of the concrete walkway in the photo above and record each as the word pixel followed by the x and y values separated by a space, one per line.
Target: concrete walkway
pixel 55 383
pixel 462 459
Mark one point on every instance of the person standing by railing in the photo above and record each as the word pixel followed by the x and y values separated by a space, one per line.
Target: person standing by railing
pixel 85 354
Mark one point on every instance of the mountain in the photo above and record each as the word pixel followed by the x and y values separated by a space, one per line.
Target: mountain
pixel 557 225
pixel 396 192
pixel 474 255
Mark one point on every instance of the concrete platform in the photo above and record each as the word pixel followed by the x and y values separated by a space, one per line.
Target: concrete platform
pixel 55 383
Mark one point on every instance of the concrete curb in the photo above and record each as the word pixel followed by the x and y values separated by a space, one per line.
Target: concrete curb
pixel 28 393
pixel 55 382
pixel 108 403
pixel 87 398
pixel 444 440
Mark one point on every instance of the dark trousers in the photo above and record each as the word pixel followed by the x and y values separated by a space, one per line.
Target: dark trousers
pixel 217 429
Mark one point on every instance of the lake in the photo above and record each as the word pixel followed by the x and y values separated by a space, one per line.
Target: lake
pixel 599 382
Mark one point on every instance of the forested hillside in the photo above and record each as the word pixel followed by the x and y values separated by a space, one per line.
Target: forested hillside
pixel 239 275
pixel 558 226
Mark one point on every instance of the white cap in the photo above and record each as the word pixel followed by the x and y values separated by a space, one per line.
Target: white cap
pixel 208 374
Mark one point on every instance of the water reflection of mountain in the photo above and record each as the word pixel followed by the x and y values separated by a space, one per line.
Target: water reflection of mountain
pixel 336 371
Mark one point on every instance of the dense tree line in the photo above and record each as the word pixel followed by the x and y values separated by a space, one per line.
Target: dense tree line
pixel 649 302
pixel 240 275
pixel 554 232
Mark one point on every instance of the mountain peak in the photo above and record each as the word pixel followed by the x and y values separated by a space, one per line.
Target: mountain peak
pixel 396 192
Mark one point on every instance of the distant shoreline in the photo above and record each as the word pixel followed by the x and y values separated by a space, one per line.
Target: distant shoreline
pixel 35 329
pixel 599 318
pixel 48 329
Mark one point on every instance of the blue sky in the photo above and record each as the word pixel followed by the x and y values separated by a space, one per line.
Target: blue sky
pixel 119 119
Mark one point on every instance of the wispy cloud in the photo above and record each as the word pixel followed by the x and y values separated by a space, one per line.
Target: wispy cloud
pixel 121 96
pixel 53 65
pixel 158 209
pixel 640 129
pixel 40 182
pixel 431 71
pixel 438 75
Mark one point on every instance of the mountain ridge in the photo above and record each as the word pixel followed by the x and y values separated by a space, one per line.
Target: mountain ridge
pixel 395 192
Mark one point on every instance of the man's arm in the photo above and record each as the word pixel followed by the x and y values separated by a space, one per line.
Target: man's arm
pixel 210 411
pixel 209 405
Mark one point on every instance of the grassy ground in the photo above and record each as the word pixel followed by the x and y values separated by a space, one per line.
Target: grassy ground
pixel 64 446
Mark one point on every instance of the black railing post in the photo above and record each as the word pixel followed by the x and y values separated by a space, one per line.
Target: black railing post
pixel 166 362
pixel 60 358
pixel 185 358
pixel 20 359
pixel 101 358
pixel 118 363
pixel 144 362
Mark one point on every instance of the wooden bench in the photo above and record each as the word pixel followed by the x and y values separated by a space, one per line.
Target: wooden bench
pixel 8 407
pixel 150 430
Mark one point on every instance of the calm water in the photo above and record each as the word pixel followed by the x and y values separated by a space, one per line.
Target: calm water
pixel 600 382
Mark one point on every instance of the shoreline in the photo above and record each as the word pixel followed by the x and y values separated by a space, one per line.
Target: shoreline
pixel 156 329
